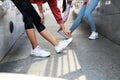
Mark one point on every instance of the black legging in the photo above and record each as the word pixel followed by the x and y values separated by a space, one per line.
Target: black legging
pixel 30 16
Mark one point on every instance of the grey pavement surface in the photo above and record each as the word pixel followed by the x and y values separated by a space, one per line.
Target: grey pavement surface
pixel 83 59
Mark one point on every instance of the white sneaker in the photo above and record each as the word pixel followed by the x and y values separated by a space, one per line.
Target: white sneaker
pixel 63 44
pixel 63 34
pixel 94 35
pixel 38 51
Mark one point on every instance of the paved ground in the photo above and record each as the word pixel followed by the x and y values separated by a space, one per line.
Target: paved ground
pixel 83 59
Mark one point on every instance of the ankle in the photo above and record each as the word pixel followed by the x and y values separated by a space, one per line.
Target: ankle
pixel 34 46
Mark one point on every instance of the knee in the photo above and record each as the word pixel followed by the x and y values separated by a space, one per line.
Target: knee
pixel 40 28
pixel 87 14
pixel 28 23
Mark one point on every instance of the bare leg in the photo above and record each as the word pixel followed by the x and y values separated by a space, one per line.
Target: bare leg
pixel 31 35
pixel 44 33
pixel 40 7
pixel 59 46
pixel 49 37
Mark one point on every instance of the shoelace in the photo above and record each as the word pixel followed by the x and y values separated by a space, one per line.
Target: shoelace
pixel 41 49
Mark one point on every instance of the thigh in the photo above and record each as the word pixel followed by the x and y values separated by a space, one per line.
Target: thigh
pixel 92 5
pixel 27 19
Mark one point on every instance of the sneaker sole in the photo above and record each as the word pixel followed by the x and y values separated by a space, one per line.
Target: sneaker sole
pixel 94 39
pixel 40 56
